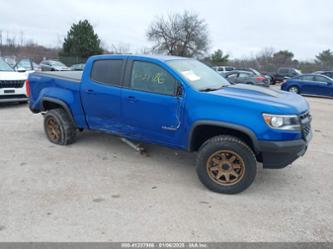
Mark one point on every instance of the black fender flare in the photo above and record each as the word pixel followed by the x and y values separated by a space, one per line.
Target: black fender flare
pixel 230 126
pixel 58 102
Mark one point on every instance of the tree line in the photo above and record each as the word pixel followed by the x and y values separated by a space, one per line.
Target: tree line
pixel 180 34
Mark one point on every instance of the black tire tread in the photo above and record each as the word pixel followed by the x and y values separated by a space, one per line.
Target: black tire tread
pixel 224 140
pixel 68 129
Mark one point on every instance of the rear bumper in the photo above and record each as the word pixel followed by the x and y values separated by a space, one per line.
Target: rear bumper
pixel 279 154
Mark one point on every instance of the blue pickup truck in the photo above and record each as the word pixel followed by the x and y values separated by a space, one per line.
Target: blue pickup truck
pixel 180 103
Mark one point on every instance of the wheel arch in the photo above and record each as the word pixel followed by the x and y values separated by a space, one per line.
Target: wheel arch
pixel 48 103
pixel 203 130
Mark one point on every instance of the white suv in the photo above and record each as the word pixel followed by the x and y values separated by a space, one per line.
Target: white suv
pixel 12 84
pixel 223 69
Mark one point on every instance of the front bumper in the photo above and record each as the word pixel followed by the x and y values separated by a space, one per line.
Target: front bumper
pixel 279 154
pixel 13 94
pixel 13 98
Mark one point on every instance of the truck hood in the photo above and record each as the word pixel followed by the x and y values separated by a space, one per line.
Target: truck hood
pixel 276 101
pixel 12 76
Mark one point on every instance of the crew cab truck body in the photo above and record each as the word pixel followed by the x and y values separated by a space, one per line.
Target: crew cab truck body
pixel 179 103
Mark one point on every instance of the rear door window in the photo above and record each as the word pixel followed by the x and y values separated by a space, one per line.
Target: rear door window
pixel 321 79
pixel 108 72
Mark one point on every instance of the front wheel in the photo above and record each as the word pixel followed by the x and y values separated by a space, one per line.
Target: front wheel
pixel 294 89
pixel 225 164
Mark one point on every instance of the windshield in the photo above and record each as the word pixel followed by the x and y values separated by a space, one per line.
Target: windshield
pixel 198 75
pixel 4 66
pixel 256 72
pixel 57 64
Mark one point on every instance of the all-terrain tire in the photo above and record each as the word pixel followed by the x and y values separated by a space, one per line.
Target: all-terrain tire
pixel 58 127
pixel 228 148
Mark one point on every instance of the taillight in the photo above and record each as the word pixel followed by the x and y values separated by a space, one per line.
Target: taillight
pixel 27 87
pixel 260 78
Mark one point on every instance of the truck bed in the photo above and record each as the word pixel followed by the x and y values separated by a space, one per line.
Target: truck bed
pixel 57 86
pixel 63 75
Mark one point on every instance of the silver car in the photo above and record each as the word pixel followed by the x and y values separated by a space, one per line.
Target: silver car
pixel 52 65
pixel 246 77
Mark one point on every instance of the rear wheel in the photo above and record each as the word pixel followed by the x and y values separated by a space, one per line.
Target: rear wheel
pixel 294 89
pixel 58 127
pixel 226 165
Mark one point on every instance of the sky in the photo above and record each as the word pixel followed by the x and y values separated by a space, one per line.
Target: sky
pixel 241 28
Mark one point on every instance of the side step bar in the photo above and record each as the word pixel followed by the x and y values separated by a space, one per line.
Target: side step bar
pixel 136 147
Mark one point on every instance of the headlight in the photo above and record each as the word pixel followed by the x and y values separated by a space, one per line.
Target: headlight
pixel 282 122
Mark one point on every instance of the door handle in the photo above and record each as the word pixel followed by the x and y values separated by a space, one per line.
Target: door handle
pixel 131 99
pixel 90 91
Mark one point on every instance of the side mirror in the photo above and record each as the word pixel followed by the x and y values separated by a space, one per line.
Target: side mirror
pixel 21 70
pixel 179 91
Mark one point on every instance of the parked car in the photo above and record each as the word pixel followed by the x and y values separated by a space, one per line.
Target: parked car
pixel 284 73
pixel 27 65
pixel 310 84
pixel 257 73
pixel 246 77
pixel 223 69
pixel 52 65
pixel 77 67
pixel 12 84
pixel 10 60
pixel 180 103
pixel 268 75
pixel 326 73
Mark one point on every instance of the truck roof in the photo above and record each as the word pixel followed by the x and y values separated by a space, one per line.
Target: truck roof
pixel 156 57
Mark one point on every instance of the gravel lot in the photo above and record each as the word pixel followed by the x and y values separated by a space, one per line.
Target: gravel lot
pixel 99 189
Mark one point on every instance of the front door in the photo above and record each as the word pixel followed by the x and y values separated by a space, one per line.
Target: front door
pixel 151 108
pixel 233 78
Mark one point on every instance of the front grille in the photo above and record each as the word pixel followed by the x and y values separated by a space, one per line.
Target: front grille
pixel 19 96
pixel 306 124
pixel 11 83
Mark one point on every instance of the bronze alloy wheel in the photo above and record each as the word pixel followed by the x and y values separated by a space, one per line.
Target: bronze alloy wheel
pixel 53 129
pixel 225 167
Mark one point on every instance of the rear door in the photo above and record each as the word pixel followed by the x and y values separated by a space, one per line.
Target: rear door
pixel 151 109
pixel 101 95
